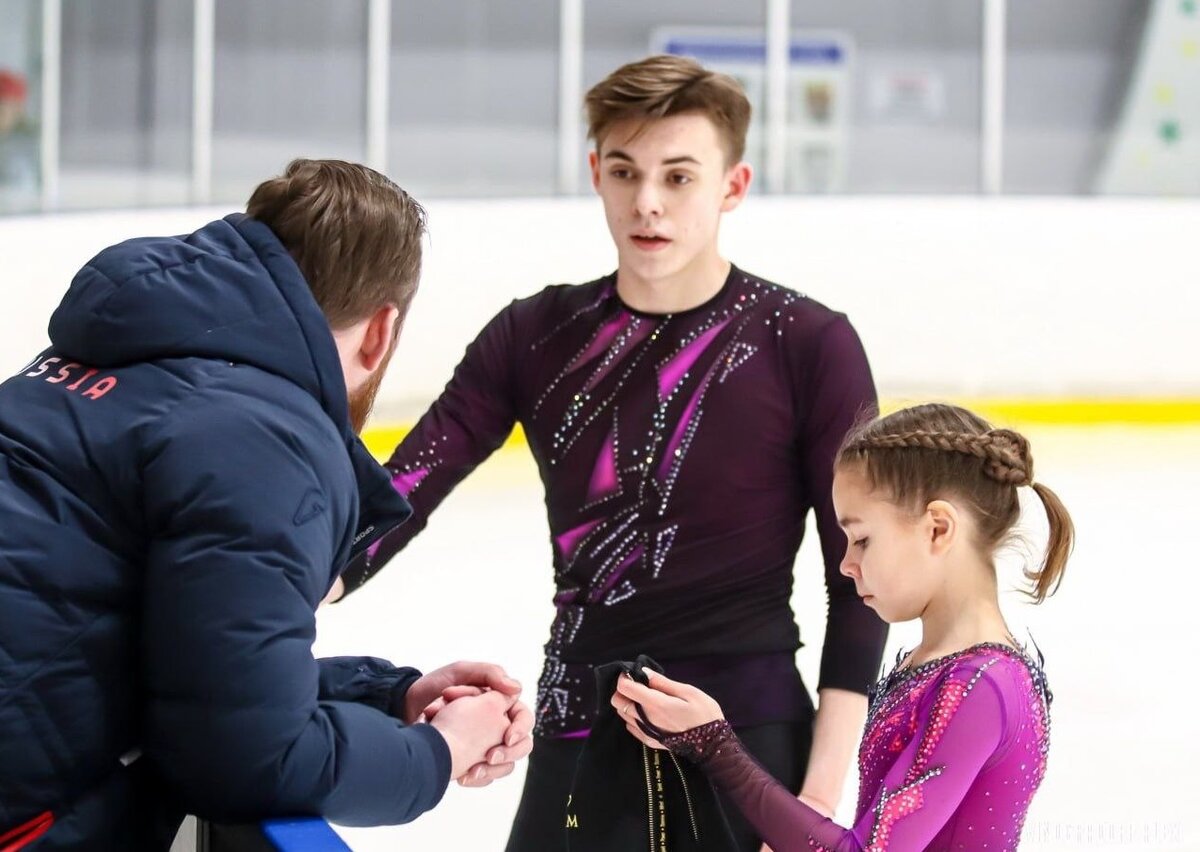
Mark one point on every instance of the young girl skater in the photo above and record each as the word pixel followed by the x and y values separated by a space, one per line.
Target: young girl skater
pixel 957 734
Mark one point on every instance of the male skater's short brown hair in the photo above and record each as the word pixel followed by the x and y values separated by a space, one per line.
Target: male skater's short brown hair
pixel 662 86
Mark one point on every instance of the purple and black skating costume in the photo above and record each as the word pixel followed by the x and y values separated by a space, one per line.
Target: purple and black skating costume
pixel 680 455
pixel 953 752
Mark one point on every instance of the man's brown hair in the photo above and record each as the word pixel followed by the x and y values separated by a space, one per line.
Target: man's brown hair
pixel 662 86
pixel 355 235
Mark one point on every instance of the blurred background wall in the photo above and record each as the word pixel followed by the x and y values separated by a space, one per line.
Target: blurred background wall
pixel 1015 181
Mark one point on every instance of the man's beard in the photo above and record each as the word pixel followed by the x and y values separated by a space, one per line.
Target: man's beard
pixel 362 401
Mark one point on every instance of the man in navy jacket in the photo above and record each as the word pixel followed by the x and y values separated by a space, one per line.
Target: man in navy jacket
pixel 181 482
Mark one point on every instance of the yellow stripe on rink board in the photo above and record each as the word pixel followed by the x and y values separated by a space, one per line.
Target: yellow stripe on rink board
pixel 1015 412
pixel 382 440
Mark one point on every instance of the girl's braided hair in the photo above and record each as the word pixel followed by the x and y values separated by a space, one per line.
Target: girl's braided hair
pixel 936 451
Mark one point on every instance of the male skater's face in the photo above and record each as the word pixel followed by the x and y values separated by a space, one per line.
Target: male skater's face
pixel 664 184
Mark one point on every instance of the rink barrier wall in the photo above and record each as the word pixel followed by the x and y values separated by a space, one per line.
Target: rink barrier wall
pixel 1048 309
pixel 295 834
pixel 1018 414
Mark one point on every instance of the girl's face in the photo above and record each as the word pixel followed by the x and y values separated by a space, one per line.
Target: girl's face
pixel 890 554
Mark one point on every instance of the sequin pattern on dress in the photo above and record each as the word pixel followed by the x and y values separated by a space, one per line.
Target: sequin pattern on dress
pixel 953 751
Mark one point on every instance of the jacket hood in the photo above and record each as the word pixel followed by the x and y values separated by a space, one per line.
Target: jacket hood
pixel 228 291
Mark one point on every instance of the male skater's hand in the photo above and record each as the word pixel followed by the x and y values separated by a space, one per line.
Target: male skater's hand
pixel 501 759
pixel 471 727
pixel 429 688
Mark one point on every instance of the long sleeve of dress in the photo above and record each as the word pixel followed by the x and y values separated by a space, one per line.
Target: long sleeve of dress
pixel 961 726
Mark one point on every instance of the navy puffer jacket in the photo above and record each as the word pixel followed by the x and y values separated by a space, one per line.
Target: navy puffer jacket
pixel 179 488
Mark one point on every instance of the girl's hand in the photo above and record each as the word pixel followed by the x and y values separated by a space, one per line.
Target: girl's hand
pixel 671 706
